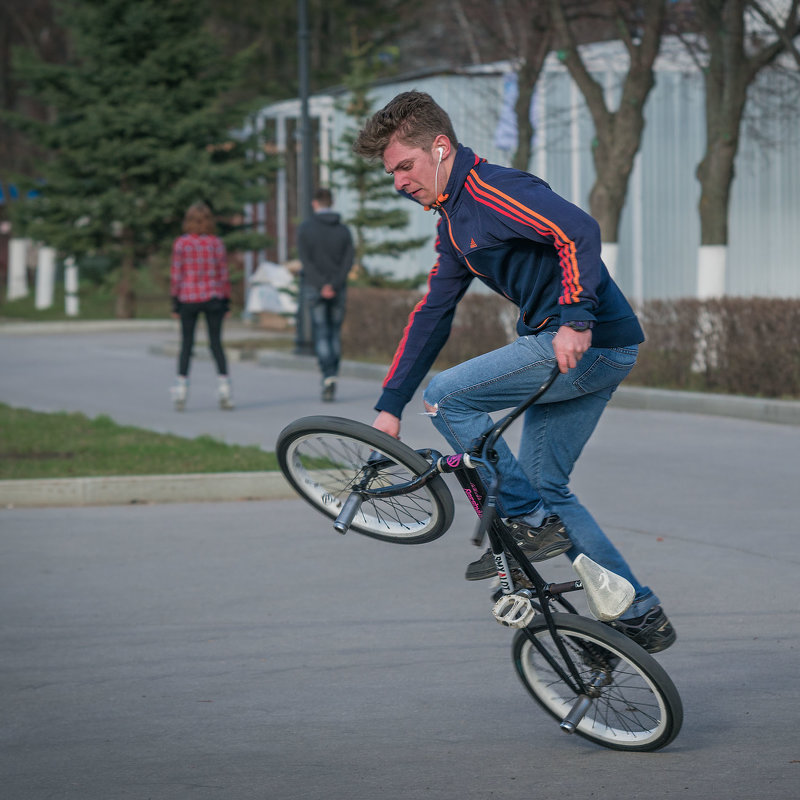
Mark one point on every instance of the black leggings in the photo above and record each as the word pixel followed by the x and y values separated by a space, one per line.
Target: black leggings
pixel 214 311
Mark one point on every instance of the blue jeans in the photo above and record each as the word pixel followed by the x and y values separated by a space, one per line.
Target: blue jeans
pixel 555 431
pixel 326 317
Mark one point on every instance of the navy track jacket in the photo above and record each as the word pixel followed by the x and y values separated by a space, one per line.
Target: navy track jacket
pixel 510 230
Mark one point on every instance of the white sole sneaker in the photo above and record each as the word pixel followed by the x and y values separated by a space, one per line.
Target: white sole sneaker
pixel 178 397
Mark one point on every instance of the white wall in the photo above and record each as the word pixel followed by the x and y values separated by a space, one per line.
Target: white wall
pixel 658 240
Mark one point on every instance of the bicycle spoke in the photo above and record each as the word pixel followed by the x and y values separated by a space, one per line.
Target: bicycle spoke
pixel 630 707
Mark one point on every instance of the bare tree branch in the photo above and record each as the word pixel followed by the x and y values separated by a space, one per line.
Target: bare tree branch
pixel 590 88
pixel 787 32
pixel 692 49
pixel 501 9
pixel 466 30
pixel 535 50
pixel 617 133
pixel 623 30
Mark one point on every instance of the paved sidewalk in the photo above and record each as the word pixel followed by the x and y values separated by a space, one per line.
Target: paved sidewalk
pixel 198 651
pixel 123 369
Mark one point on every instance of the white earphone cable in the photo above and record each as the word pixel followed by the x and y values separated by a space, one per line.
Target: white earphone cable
pixel 436 176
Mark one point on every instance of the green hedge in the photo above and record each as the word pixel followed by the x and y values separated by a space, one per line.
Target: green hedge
pixel 747 346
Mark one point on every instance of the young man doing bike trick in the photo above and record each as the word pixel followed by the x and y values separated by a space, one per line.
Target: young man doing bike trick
pixel 510 230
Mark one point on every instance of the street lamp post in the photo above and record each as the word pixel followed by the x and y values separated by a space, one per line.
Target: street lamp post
pixel 303 343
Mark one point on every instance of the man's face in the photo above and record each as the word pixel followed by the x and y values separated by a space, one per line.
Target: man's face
pixel 414 171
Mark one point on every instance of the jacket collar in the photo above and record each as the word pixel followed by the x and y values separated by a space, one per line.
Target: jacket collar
pixel 463 163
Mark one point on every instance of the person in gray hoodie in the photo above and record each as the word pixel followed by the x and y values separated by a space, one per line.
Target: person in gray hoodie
pixel 326 252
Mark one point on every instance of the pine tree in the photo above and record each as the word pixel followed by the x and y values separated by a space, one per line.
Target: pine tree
pixel 140 129
pixel 376 200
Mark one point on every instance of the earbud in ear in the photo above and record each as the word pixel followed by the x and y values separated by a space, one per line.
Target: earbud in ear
pixel 441 152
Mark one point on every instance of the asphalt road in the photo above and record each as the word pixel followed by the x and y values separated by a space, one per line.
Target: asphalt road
pixel 244 650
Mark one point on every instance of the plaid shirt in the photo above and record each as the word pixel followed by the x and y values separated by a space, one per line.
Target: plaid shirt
pixel 199 269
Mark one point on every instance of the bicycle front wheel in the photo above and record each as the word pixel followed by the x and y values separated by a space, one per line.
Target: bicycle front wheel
pixel 324 458
pixel 636 706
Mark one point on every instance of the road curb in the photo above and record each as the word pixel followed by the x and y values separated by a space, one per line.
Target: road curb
pixel 782 412
pixel 133 489
pixel 87 326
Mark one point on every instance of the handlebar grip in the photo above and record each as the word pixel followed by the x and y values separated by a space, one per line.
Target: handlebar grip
pixel 348 513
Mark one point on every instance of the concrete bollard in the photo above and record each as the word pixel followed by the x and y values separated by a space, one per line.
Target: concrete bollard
pixel 45 277
pixel 71 287
pixel 17 285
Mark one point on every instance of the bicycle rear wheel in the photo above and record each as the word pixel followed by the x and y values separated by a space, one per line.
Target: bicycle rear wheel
pixel 637 707
pixel 324 458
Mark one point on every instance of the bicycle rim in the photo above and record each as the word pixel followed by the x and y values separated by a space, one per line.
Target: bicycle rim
pixel 324 458
pixel 638 708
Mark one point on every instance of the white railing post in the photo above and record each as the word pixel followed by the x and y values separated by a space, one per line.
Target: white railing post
pixel 17 269
pixel 71 303
pixel 45 277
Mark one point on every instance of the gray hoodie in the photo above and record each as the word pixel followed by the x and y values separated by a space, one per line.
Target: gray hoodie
pixel 325 247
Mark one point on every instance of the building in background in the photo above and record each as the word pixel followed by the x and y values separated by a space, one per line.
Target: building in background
pixel 660 230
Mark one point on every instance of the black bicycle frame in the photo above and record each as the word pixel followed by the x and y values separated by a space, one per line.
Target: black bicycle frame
pixel 483 500
pixel 501 542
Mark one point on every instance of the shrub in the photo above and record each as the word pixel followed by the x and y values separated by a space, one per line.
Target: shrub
pixel 376 319
pixel 732 345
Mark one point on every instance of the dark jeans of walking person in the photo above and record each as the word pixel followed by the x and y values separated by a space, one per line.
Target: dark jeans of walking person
pixel 327 316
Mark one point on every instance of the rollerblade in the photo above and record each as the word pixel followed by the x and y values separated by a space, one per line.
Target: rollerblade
pixel 224 393
pixel 179 393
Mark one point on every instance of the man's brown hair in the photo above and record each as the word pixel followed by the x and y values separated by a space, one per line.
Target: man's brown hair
pixel 199 220
pixel 416 119
pixel 324 197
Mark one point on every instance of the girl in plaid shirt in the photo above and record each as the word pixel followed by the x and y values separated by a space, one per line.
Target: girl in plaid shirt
pixel 199 283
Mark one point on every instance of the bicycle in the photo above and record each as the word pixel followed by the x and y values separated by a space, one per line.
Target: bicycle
pixel 594 680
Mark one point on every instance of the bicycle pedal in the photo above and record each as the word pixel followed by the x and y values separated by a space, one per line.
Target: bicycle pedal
pixel 514 610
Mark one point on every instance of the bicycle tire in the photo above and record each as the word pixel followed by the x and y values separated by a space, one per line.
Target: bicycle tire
pixel 638 710
pixel 324 457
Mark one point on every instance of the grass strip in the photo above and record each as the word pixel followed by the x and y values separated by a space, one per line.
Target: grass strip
pixel 70 445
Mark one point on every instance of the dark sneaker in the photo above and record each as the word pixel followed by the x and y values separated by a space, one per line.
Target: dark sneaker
pixel 485 567
pixel 548 540
pixel 652 631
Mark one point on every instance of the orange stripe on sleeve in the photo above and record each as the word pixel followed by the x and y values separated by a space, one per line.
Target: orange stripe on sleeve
pixel 506 205
pixel 402 345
